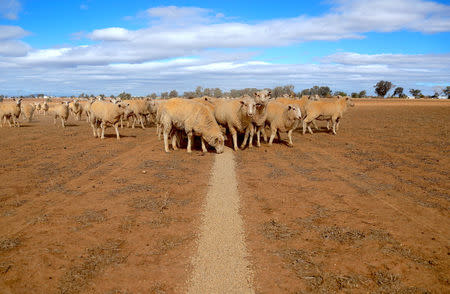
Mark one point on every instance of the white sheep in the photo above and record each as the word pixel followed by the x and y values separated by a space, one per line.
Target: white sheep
pixel 60 111
pixel 10 111
pixel 326 110
pixel 236 115
pixel 76 109
pixel 103 114
pixel 282 118
pixel 193 118
pixel 28 110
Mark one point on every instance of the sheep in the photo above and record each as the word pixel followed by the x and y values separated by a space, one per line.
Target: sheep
pixel 76 109
pixel 195 119
pixel 236 115
pixel 28 110
pixel 37 106
pixel 61 111
pixel 86 108
pixel 262 96
pixel 45 107
pixel 140 109
pixel 105 113
pixel 282 118
pixel 11 111
pixel 326 110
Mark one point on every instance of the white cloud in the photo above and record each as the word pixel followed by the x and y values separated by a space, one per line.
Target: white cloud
pixel 12 32
pixel 10 9
pixel 111 34
pixel 186 46
pixel 84 7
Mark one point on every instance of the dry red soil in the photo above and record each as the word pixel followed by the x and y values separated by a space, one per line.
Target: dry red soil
pixel 366 211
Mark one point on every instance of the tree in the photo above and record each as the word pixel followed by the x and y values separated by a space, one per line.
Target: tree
pixel 173 94
pixel 416 93
pixel 355 95
pixel 398 91
pixel 124 96
pixel 152 95
pixel 383 87
pixel 164 95
pixel 362 94
pixel 324 91
pixel 340 93
pixel 304 92
pixel 102 96
pixel 199 91
pixel 112 96
pixel 218 93
pixel 189 94
pixel 446 91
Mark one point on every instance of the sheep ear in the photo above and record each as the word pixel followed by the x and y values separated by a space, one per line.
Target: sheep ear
pixel 289 107
pixel 270 93
pixel 242 102
pixel 255 94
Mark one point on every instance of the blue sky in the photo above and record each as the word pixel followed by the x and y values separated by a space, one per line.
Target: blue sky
pixel 97 46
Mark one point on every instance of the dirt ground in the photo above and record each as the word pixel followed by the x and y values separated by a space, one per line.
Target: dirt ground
pixel 364 211
pixel 81 215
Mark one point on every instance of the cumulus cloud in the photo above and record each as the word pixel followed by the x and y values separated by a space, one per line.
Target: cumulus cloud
pixel 10 9
pixel 162 54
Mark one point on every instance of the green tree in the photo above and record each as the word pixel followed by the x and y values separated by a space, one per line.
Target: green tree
pixel 152 95
pixel 173 94
pixel 340 93
pixel 164 95
pixel 355 95
pixel 416 93
pixel 199 91
pixel 383 87
pixel 218 93
pixel 362 94
pixel 446 91
pixel 398 91
pixel 124 96
pixel 324 91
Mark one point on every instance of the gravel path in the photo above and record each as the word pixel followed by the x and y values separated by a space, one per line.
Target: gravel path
pixel 220 265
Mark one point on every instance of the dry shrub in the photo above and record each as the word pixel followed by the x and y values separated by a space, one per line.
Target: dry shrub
pixel 93 261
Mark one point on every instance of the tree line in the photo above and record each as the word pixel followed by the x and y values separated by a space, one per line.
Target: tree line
pixel 382 88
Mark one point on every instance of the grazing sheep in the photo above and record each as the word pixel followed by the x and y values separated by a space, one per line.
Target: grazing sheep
pixel 236 115
pixel 195 119
pixel 76 109
pixel 282 118
pixel 61 111
pixel 326 110
pixel 106 113
pixel 28 110
pixel 11 111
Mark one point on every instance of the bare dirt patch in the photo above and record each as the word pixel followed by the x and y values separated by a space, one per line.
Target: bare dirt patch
pixel 79 215
pixel 366 211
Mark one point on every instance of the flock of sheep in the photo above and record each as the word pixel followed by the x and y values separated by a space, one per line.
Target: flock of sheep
pixel 207 117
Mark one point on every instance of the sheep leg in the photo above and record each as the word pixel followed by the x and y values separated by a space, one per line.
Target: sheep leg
pixel 252 133
pixel 174 141
pixel 121 121
pixel 290 144
pixel 62 122
pixel 116 127
pixel 272 135
pixel 142 121
pixel 166 140
pixel 247 132
pixel 54 120
pixel 315 125
pixel 304 126
pixel 158 131
pixel 338 121
pixel 103 126
pixel 234 135
pixel 189 135
pixel 263 132
pixel 204 150
pixel 334 125
pixel 134 122
pixel 258 137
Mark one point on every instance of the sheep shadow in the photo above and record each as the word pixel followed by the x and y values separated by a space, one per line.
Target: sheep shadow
pixel 121 136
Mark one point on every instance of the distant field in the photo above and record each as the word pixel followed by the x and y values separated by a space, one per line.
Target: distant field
pixel 364 211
